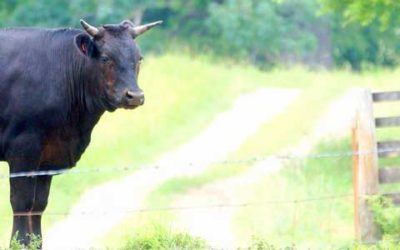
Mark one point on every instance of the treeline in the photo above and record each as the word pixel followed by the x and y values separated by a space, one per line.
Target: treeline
pixel 262 32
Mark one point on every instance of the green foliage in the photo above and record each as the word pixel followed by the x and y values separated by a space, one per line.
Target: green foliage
pixel 387 243
pixel 366 11
pixel 268 32
pixel 35 243
pixel 364 47
pixel 262 244
pixel 262 32
pixel 386 215
pixel 247 33
pixel 365 32
pixel 159 237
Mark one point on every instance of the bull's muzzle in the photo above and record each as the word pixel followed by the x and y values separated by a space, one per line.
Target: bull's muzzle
pixel 134 98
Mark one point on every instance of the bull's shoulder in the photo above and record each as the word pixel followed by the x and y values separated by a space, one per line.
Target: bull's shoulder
pixel 32 77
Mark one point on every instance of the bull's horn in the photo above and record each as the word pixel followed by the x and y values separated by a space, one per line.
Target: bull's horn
pixel 91 30
pixel 138 30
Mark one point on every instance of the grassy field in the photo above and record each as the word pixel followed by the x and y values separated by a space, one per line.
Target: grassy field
pixel 259 143
pixel 307 223
pixel 313 100
pixel 311 178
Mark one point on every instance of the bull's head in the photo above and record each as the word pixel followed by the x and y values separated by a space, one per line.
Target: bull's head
pixel 114 52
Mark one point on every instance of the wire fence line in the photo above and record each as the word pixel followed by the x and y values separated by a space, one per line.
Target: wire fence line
pixel 247 161
pixel 250 160
pixel 194 207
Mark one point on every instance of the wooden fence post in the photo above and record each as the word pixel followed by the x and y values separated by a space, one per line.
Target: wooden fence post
pixel 365 169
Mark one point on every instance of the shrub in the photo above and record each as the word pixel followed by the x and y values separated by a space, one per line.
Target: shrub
pixel 387 216
pixel 35 243
pixel 162 238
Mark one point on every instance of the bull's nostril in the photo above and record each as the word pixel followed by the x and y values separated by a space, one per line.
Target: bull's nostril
pixel 130 94
pixel 135 97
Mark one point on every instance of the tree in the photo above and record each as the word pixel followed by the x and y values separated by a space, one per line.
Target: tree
pixel 385 12
pixel 364 32
pixel 267 31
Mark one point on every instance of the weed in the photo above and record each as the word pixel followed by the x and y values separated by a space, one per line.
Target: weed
pixel 35 243
pixel 159 237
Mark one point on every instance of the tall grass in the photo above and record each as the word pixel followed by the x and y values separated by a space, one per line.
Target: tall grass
pixel 162 238
pixel 281 130
pixel 301 214
pixel 319 88
pixel 287 128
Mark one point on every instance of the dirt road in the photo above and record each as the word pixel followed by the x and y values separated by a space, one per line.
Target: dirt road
pixel 97 211
pixel 215 224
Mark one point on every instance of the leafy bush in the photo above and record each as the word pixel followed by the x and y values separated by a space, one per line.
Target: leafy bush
pixel 161 238
pixel 387 216
pixel 261 244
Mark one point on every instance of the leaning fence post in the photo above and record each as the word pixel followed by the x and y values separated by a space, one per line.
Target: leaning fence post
pixel 365 169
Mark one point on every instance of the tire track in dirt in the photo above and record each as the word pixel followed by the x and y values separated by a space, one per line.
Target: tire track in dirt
pixel 215 224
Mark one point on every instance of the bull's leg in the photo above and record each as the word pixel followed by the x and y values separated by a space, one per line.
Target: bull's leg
pixel 29 197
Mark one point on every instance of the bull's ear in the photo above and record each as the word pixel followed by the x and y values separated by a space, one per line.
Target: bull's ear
pixel 85 44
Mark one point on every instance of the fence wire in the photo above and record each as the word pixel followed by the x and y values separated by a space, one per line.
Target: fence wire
pixel 193 207
pixel 247 161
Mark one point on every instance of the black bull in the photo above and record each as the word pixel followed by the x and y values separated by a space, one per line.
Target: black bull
pixel 54 87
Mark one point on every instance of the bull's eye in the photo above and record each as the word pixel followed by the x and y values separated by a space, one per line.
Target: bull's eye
pixel 104 59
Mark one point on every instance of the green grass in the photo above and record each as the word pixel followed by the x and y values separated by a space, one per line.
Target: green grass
pixel 164 239
pixel 317 224
pixel 303 223
pixel 281 131
pixel 295 123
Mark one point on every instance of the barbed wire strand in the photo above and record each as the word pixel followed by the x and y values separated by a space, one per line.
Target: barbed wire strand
pixel 249 160
pixel 194 207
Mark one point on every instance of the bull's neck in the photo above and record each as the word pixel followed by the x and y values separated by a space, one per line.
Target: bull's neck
pixel 83 120
pixel 85 95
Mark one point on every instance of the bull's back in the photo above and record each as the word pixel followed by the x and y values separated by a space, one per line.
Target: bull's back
pixel 31 89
